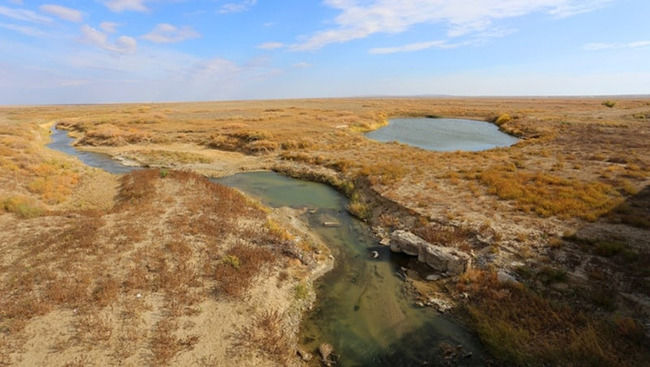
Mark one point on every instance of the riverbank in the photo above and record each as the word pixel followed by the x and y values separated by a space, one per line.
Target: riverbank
pixel 161 278
pixel 154 267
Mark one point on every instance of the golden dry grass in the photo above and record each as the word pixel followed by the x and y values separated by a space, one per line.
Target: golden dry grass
pixel 571 148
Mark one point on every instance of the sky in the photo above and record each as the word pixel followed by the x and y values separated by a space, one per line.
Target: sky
pixel 102 51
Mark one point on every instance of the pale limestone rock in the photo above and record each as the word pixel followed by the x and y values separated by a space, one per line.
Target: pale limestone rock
pixel 443 259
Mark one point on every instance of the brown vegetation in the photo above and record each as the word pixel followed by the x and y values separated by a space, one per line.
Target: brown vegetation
pixel 238 267
pixel 104 274
pixel 266 335
pixel 524 328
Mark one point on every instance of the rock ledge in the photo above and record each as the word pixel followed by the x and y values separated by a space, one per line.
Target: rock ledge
pixel 443 259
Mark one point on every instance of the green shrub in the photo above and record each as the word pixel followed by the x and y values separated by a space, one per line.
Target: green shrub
pixel 22 206
pixel 502 119
pixel 231 260
pixel 609 103
pixel 164 173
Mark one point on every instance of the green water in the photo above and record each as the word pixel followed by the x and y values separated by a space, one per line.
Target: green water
pixel 443 135
pixel 362 308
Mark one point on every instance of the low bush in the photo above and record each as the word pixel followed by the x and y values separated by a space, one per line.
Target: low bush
pixel 359 209
pixel 234 281
pixel 522 328
pixel 384 173
pixel 444 236
pixel 502 119
pixel 549 195
pixel 609 103
pixel 165 345
pixel 301 291
pixel 266 334
pixel 231 260
pixel 22 206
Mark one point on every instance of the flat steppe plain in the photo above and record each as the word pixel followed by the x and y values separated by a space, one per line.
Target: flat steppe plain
pixel 565 212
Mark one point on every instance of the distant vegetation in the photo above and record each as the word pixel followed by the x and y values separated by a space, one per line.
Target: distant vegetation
pixel 609 104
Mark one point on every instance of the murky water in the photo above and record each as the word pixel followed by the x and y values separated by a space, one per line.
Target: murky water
pixel 442 134
pixel 362 308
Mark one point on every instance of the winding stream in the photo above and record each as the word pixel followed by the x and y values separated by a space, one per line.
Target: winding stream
pixel 362 308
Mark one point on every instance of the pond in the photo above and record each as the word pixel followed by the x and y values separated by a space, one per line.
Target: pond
pixel 442 134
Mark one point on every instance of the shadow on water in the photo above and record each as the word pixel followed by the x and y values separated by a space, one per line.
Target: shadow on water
pixel 427 346
pixel 363 308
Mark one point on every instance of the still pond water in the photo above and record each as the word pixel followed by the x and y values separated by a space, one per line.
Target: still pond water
pixel 443 135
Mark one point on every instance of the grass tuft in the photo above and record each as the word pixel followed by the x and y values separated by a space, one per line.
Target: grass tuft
pixel 234 281
pixel 609 103
pixel 23 207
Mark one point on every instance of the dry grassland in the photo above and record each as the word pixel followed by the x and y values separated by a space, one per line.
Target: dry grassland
pixel 565 210
pixel 160 278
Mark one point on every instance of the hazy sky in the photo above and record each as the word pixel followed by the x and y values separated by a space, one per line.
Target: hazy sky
pixel 59 51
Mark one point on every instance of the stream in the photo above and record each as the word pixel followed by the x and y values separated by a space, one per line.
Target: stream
pixel 362 308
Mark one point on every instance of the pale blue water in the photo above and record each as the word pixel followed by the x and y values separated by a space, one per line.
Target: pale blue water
pixel 62 142
pixel 440 134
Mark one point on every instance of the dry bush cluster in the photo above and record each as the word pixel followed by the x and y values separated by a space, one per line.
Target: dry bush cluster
pixel 238 268
pixel 524 328
pixel 444 236
pixel 549 195
pixel 31 178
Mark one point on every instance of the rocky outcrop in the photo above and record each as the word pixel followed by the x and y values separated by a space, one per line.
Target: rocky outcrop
pixel 443 259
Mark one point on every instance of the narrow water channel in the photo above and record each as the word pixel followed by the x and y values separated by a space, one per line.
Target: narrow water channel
pixel 362 307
